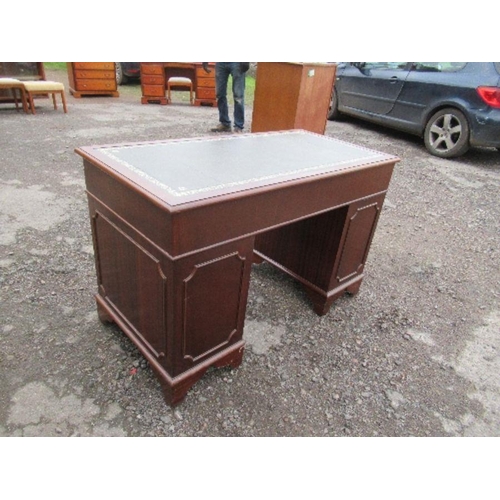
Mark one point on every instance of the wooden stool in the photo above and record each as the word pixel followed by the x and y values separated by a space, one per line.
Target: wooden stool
pixel 15 85
pixel 44 87
pixel 176 83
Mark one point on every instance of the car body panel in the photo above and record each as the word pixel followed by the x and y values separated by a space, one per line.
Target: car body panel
pixel 406 96
pixel 372 88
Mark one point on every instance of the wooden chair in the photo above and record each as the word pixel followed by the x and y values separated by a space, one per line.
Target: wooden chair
pixel 176 83
pixel 15 86
pixel 43 87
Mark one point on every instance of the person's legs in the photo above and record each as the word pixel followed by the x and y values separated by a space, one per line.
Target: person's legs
pixel 239 96
pixel 222 72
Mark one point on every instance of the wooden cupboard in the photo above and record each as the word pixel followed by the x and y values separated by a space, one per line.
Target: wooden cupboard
pixel 292 95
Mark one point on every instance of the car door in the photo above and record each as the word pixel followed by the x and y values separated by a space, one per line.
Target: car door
pixel 370 87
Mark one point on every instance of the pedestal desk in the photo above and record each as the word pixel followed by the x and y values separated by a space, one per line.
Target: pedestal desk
pixel 176 225
pixel 155 75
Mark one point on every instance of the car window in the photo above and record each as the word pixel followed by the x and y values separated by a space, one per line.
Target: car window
pixel 441 67
pixel 385 65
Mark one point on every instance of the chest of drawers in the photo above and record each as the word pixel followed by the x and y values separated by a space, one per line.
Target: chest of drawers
pixel 92 78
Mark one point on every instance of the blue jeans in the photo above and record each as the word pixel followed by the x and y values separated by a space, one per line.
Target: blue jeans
pixel 222 72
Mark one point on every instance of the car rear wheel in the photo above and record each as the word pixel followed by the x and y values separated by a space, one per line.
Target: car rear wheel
pixel 447 133
pixel 120 77
pixel 333 112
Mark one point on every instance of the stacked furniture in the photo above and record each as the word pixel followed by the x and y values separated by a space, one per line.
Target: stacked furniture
pixel 92 78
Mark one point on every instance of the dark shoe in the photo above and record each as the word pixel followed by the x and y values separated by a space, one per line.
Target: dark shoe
pixel 221 128
pixel 237 130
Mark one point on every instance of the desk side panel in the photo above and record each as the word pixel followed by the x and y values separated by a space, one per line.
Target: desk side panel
pixel 134 272
pixel 133 280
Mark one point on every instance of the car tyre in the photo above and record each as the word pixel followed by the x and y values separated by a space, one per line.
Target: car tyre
pixel 120 77
pixel 447 133
pixel 333 112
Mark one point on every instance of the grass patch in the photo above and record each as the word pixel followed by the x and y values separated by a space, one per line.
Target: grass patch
pixel 54 65
pixel 249 90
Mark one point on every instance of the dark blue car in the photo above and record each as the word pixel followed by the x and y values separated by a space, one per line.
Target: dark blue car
pixel 452 105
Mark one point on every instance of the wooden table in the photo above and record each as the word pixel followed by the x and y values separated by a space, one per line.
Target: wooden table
pixel 177 224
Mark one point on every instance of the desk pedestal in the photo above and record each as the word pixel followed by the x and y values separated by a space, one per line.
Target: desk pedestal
pixel 184 315
pixel 326 253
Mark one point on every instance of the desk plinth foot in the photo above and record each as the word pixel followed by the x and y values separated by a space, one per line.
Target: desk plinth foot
pixel 354 288
pixel 204 102
pixel 78 94
pixel 322 302
pixel 104 316
pixel 176 389
pixel 154 100
pixel 257 259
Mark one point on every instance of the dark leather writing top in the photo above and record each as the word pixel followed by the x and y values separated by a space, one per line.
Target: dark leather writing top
pixel 180 171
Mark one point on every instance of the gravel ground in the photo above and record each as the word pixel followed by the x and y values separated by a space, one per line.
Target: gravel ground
pixel 415 353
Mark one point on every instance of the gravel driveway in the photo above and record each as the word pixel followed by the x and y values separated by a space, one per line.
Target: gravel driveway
pixel 415 353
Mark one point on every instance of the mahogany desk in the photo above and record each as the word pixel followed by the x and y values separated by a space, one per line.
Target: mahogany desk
pixel 177 224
